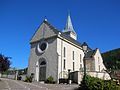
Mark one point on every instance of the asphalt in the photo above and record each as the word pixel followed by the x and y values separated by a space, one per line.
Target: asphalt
pixel 8 84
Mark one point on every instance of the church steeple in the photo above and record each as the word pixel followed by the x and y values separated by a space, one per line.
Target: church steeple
pixel 69 28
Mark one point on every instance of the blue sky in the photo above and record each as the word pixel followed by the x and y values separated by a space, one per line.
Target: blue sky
pixel 96 22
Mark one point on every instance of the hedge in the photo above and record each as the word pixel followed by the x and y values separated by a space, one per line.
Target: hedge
pixel 93 83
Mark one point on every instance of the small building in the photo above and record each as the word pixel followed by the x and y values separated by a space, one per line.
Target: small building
pixel 56 53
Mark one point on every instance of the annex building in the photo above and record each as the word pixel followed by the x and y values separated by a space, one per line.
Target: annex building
pixel 56 53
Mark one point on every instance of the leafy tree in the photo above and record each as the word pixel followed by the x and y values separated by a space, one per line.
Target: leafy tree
pixel 4 63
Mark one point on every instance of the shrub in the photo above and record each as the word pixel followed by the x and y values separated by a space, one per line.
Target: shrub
pixel 111 85
pixel 93 83
pixel 50 80
pixel 28 79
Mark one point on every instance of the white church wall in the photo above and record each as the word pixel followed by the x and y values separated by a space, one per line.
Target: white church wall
pixel 59 45
pixel 99 66
pixel 101 75
pixel 68 58
pixel 98 61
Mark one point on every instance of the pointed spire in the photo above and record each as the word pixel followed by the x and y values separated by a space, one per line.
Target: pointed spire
pixel 69 30
pixel 69 26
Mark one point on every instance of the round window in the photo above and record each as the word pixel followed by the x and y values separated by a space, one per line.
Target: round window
pixel 42 46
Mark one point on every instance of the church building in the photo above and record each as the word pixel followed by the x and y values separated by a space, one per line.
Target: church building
pixel 57 53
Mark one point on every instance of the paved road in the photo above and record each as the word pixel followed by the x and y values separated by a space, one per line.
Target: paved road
pixel 8 84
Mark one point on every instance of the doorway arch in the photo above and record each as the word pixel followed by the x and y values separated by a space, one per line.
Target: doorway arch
pixel 42 70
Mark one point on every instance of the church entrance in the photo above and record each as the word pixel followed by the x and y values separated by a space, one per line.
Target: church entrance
pixel 42 71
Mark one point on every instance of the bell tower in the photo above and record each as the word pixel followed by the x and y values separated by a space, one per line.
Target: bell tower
pixel 69 30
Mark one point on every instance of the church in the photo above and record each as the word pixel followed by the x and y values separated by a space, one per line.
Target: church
pixel 57 53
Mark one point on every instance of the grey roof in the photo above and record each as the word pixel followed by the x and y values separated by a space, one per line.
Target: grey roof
pixel 70 39
pixel 52 27
pixel 56 32
pixel 90 54
pixel 63 34
pixel 51 31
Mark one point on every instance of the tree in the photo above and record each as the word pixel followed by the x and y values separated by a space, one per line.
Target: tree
pixel 4 63
pixel 111 59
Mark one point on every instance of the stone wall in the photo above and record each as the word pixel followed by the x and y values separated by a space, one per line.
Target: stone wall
pixel 13 76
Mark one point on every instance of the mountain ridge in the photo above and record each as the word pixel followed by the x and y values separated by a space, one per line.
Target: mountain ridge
pixel 111 59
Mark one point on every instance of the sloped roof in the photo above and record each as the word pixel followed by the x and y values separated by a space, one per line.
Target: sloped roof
pixel 37 34
pixel 70 39
pixel 52 31
pixel 52 27
pixel 90 54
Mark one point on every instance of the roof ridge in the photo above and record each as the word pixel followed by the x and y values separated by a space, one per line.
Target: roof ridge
pixel 52 27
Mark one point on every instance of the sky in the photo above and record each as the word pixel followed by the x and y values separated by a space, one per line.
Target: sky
pixel 96 22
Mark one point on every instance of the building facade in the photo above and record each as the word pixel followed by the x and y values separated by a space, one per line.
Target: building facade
pixel 56 53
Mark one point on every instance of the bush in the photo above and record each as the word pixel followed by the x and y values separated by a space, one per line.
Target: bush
pixel 50 80
pixel 93 83
pixel 111 85
pixel 28 79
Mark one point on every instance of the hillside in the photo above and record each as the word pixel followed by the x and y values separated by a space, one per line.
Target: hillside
pixel 111 59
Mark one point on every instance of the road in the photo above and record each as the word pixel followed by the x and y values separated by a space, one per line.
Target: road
pixel 8 84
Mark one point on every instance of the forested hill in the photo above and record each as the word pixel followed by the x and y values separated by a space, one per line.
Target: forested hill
pixel 111 59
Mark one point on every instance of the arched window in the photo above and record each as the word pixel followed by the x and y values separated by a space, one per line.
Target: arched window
pixel 43 63
pixel 73 55
pixel 64 64
pixel 64 51
pixel 73 66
